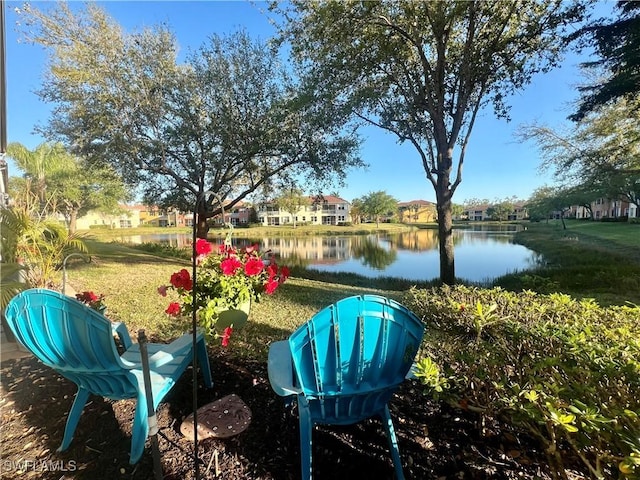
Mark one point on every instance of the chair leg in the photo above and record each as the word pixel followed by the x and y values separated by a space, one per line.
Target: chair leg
pixel 393 442
pixel 203 362
pixel 82 395
pixel 306 444
pixel 140 429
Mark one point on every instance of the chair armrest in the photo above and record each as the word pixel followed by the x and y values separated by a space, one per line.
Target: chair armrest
pixel 280 369
pixel 161 354
pixel 120 329
pixel 179 347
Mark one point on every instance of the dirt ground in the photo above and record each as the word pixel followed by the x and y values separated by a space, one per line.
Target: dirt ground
pixel 436 441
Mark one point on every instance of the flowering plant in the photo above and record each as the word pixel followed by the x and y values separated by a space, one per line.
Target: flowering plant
pixel 92 300
pixel 226 278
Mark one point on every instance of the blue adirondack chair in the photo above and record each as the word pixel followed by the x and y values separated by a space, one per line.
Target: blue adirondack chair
pixel 78 343
pixel 344 365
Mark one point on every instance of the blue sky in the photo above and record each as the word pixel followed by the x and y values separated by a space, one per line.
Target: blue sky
pixel 496 166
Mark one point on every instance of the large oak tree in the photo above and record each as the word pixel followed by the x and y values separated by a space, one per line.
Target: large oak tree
pixel 423 70
pixel 228 120
pixel 617 45
pixel 601 152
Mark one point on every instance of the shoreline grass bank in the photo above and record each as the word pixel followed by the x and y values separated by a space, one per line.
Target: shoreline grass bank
pixel 587 260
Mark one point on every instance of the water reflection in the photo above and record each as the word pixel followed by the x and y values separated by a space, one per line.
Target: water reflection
pixel 373 252
pixel 482 252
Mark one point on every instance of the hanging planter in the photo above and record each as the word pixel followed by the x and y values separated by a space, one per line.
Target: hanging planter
pixel 235 318
pixel 227 281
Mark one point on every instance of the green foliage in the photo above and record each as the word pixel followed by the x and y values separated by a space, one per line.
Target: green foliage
pixel 378 204
pixel 65 184
pixel 500 211
pixel 567 371
pixel 292 200
pixel 588 259
pixel 617 43
pixel 163 250
pixel 37 165
pixel 545 201
pixel 428 372
pixel 226 278
pixel 597 157
pixel 227 119
pixel 422 70
pixel 32 250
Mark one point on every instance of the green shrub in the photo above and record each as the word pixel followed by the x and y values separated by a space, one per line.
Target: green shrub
pixel 566 371
pixel 163 250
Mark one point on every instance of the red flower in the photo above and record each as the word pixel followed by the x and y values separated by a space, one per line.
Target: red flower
pixel 271 286
pixel 272 269
pixel 229 277
pixel 182 279
pixel 226 335
pixel 253 267
pixel 230 265
pixel 87 297
pixel 203 247
pixel 173 309
pixel 462 308
pixel 284 273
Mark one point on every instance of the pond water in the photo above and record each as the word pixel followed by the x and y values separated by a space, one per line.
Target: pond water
pixel 482 252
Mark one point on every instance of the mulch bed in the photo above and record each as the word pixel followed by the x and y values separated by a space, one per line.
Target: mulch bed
pixel 436 441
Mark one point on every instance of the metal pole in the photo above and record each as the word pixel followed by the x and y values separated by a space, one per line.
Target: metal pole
pixel 151 412
pixel 194 321
pixel 64 269
pixel 4 174
pixel 3 82
pixel 194 325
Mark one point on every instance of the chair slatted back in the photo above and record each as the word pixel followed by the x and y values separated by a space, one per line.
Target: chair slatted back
pixel 71 338
pixel 351 356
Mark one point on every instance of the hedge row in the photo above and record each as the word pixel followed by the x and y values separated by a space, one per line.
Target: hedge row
pixel 566 371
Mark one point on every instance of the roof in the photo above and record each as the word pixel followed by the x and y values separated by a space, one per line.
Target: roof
pixel 423 203
pixel 326 198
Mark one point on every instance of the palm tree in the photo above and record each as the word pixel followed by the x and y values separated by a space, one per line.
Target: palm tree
pixel 32 250
pixel 38 164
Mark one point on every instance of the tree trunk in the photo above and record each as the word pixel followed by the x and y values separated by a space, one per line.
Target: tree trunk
pixel 445 232
pixel 73 221
pixel 202 227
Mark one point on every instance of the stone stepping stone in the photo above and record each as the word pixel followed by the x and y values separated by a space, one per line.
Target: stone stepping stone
pixel 222 418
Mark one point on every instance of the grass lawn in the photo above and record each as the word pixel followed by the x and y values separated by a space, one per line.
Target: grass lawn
pixel 437 440
pixel 129 279
pixel 618 236
pixel 282 230
pixel 588 259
